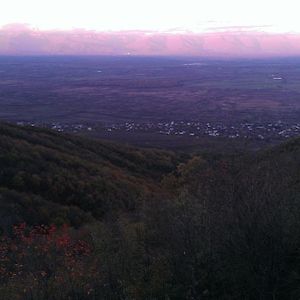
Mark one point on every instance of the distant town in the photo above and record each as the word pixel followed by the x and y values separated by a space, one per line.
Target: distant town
pixel 194 129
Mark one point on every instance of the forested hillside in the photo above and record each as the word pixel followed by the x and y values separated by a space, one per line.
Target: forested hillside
pixel 48 177
pixel 106 221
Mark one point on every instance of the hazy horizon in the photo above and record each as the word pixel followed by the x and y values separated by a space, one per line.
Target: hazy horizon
pixel 194 28
pixel 20 39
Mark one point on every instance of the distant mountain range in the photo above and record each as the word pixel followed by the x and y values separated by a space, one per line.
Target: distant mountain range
pixel 19 39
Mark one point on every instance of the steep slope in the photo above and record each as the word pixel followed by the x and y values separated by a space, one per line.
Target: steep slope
pixel 86 175
pixel 230 231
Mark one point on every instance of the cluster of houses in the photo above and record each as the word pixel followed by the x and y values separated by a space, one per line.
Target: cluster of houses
pixel 261 131
pixel 57 126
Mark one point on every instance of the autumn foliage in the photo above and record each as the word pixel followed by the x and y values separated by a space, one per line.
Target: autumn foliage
pixel 42 258
pixel 213 227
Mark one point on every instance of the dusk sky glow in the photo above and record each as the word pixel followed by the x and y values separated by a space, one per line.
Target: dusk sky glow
pixel 157 15
pixel 156 27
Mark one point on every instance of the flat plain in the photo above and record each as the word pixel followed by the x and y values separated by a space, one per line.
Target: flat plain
pixel 105 94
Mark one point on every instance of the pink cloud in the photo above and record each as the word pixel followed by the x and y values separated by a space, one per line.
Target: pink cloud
pixel 19 39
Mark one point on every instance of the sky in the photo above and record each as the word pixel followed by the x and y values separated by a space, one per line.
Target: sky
pixel 154 15
pixel 153 27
